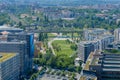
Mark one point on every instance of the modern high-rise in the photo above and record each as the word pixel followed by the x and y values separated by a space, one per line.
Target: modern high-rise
pixel 85 48
pixel 9 66
pixel 17 47
pixel 16 40
pixel 29 38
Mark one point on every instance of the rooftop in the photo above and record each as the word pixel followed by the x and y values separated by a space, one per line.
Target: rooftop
pixel 104 61
pixel 107 69
pixel 86 68
pixel 5 27
pixel 87 42
pixel 89 61
pixel 6 56
pixel 94 58
pixel 93 29
pixel 112 51
pixel 88 77
pixel 12 42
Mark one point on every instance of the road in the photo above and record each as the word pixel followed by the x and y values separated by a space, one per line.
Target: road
pixel 50 46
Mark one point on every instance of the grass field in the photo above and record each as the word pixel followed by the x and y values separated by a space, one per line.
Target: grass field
pixel 51 35
pixel 69 34
pixel 65 48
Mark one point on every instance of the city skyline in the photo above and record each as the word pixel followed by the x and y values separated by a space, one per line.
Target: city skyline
pixel 59 39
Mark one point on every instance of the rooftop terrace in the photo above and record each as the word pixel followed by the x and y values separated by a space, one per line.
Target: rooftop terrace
pixel 86 78
pixel 6 56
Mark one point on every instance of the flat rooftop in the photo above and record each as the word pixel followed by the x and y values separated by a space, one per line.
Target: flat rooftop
pixel 12 42
pixel 109 62
pixel 6 56
pixel 112 62
pixel 5 27
pixel 87 42
pixel 86 77
pixel 116 69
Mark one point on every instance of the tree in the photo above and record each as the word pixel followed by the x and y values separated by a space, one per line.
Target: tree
pixel 37 19
pixel 20 23
pixel 40 55
pixel 41 37
pixel 33 77
pixel 78 69
pixel 71 67
pixel 73 47
pixel 46 36
pixel 42 61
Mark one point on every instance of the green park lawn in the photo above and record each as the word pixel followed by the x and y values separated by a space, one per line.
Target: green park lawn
pixel 51 35
pixel 69 34
pixel 65 48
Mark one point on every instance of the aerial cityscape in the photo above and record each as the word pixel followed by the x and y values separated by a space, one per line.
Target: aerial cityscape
pixel 59 39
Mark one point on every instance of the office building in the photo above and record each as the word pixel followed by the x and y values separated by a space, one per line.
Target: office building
pixel 29 38
pixel 94 33
pixel 117 34
pixel 103 37
pixel 15 40
pixel 104 41
pixel 86 47
pixel 17 47
pixel 96 39
pixel 114 45
pixel 10 29
pixel 9 66
pixel 105 66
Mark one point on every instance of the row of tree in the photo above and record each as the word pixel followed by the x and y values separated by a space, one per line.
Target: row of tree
pixel 35 75
pixel 43 36
pixel 87 19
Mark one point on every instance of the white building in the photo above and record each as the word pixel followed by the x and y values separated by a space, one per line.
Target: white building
pixel 96 39
pixel 93 33
pixel 104 41
pixel 117 34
